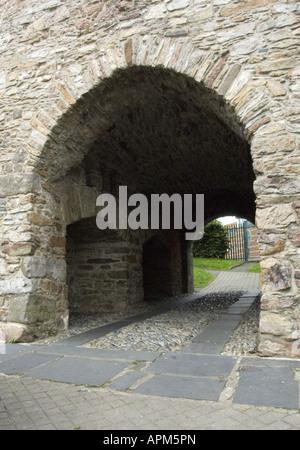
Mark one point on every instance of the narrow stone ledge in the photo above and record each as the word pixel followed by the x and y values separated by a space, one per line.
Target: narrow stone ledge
pixel 176 33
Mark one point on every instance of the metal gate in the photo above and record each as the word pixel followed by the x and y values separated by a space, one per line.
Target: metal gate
pixel 239 239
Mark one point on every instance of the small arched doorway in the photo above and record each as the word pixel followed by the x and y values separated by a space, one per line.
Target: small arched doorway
pixel 157 269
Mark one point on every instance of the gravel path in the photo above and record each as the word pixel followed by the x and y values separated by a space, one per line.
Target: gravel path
pixel 171 330
pixel 244 340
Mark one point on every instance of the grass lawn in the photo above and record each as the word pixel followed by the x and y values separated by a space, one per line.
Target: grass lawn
pixel 254 269
pixel 215 264
pixel 202 278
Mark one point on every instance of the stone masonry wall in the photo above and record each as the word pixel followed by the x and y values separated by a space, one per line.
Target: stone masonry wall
pixel 253 243
pixel 99 270
pixel 56 57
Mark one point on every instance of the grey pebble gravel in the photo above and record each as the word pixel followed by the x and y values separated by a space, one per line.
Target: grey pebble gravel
pixel 170 330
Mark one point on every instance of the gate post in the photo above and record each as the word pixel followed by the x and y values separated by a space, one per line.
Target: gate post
pixel 246 240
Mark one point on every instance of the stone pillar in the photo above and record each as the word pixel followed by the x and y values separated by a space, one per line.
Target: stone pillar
pixel 33 291
pixel 277 219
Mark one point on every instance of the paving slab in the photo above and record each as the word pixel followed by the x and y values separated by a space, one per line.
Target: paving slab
pixel 78 370
pixel 197 372
pixel 270 362
pixel 251 293
pixel 267 386
pixel 96 333
pixel 127 380
pixel 193 365
pixel 10 350
pixel 213 336
pixel 184 387
pixel 20 364
pixel 238 309
pixel 203 348
pixel 106 354
pixel 226 322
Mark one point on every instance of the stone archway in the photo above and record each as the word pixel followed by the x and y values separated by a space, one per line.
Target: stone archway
pixel 84 119
pixel 155 131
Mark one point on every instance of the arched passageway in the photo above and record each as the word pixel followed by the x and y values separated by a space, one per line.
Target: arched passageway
pixel 155 131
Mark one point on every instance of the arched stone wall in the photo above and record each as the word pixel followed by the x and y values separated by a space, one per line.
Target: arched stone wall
pixel 57 57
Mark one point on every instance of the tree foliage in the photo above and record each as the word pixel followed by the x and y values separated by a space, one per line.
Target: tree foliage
pixel 214 243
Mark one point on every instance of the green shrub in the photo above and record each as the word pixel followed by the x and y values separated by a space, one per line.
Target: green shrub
pixel 214 243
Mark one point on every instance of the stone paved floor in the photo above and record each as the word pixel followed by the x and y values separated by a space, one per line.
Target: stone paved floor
pixel 233 280
pixel 29 401
pixel 35 404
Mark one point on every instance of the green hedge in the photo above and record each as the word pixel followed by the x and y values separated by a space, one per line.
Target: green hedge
pixel 214 243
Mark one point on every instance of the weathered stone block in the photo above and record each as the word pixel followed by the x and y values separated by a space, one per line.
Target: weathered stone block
pixel 277 64
pixel 270 244
pixel 276 275
pixel 277 216
pixel 16 286
pixel 15 332
pixel 83 24
pixel 151 116
pixel 244 6
pixel 276 324
pixel 58 241
pixel 52 287
pixel 268 347
pixel 118 274
pixel 177 4
pixel 277 185
pixel 32 309
pixel 276 89
pixel 229 79
pixel 277 302
pixel 19 184
pixel 155 12
pixel 20 249
pixel 294 236
pixel 295 353
pixel 38 219
pixel 38 267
